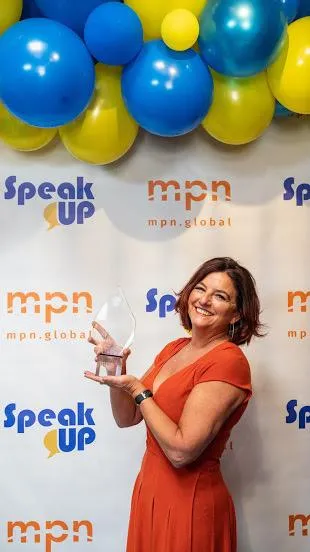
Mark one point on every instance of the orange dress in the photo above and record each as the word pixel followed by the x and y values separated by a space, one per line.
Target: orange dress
pixel 187 509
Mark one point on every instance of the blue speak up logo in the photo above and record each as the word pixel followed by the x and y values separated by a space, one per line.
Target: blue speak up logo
pixel 72 202
pixel 73 430
pixel 164 304
pixel 301 193
pixel 294 413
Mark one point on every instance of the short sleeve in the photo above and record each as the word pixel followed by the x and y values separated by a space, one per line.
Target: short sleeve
pixel 227 364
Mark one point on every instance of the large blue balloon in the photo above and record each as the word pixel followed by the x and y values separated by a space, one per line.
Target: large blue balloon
pixel 30 9
pixel 290 8
pixel 241 37
pixel 304 9
pixel 113 33
pixel 168 93
pixel 72 13
pixel 47 76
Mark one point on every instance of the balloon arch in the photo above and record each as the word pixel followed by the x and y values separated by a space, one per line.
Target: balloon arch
pixel 95 71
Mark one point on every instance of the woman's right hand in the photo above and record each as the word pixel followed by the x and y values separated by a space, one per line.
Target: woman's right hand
pixel 103 347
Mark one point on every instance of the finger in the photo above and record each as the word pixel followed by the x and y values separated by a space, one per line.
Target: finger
pixel 100 329
pixel 92 376
pixel 93 341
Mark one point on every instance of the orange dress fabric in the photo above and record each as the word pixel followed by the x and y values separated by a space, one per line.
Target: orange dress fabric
pixel 187 509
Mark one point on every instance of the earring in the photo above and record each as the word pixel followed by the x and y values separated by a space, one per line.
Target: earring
pixel 231 330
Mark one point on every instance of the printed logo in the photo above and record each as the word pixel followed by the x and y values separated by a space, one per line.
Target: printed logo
pixel 73 432
pixel 71 203
pixel 186 196
pixel 164 304
pixel 49 533
pixel 298 302
pixel 303 525
pixel 50 304
pixel 300 193
pixel 47 308
pixel 294 414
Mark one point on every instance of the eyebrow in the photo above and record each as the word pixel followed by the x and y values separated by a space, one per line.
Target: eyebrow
pixel 217 290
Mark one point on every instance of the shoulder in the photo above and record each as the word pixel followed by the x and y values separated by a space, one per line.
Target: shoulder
pixel 227 362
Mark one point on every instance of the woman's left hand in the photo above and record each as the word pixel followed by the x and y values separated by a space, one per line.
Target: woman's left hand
pixel 129 384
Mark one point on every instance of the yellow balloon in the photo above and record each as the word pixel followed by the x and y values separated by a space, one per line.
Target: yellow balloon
pixel 20 136
pixel 152 12
pixel 180 29
pixel 289 75
pixel 105 131
pixel 10 12
pixel 241 110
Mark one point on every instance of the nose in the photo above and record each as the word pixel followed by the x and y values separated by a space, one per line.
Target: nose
pixel 206 299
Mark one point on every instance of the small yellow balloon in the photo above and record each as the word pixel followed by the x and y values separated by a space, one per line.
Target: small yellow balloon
pixel 105 131
pixel 241 110
pixel 10 12
pixel 180 29
pixel 152 12
pixel 289 75
pixel 20 136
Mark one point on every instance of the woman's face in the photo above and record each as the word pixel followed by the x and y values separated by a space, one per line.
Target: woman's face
pixel 212 303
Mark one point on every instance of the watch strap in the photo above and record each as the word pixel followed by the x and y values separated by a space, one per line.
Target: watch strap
pixel 144 395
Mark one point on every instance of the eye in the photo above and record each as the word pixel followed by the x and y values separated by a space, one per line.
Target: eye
pixel 199 288
pixel 221 297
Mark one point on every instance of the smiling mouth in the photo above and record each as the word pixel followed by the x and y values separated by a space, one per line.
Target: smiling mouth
pixel 204 312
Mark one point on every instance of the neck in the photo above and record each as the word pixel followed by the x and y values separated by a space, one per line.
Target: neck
pixel 201 340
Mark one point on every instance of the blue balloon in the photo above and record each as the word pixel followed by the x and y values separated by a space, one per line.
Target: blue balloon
pixel 290 8
pixel 113 34
pixel 47 76
pixel 30 9
pixel 281 111
pixel 304 9
pixel 168 93
pixel 241 37
pixel 72 13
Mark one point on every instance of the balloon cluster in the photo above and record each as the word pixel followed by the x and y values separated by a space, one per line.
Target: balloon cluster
pixel 96 70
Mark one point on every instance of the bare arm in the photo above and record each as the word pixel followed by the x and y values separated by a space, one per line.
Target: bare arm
pixel 206 409
pixel 125 411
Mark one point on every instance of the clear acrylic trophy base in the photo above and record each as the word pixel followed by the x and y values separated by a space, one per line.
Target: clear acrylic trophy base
pixel 109 365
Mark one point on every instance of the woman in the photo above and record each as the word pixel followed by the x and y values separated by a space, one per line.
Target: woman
pixel 194 393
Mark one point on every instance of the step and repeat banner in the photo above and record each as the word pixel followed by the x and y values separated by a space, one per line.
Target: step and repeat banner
pixel 70 234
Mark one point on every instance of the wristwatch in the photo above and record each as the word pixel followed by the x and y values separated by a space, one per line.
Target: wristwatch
pixel 144 395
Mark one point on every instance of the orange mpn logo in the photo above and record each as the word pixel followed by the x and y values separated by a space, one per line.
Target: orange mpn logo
pixel 303 525
pixel 190 191
pixel 298 300
pixel 49 532
pixel 50 303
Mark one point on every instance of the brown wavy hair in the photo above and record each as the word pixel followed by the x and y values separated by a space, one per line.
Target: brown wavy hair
pixel 248 305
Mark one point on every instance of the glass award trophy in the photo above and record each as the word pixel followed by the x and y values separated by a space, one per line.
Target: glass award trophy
pixel 114 328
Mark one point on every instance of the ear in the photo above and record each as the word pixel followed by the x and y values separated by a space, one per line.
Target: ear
pixel 236 317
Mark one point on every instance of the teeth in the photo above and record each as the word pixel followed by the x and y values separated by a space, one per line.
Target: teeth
pixel 202 311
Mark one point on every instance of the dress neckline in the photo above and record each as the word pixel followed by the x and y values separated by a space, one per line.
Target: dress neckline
pixel 183 343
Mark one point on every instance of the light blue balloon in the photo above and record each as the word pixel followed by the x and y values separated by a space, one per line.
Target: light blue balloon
pixel 72 13
pixel 241 37
pixel 113 33
pixel 304 9
pixel 290 8
pixel 47 75
pixel 167 92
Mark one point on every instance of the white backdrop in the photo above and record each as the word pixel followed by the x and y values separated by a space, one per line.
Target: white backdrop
pixel 87 492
